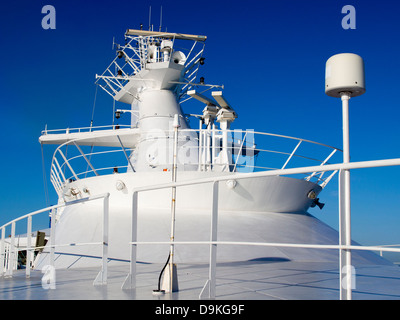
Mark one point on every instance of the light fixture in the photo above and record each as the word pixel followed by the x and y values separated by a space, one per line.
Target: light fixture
pixel 117 114
pixel 312 195
pixel 315 201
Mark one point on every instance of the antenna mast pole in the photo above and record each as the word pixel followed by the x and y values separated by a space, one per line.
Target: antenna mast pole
pixel 345 198
pixel 344 78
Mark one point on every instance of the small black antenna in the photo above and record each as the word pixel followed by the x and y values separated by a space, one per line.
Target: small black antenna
pixel 115 44
pixel 160 19
pixel 150 18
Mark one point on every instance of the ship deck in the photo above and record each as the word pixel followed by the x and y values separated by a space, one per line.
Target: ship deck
pixel 263 279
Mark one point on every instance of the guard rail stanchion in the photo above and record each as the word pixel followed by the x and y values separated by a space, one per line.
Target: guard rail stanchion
pixel 130 280
pixel 2 251
pixel 101 278
pixel 28 247
pixel 209 289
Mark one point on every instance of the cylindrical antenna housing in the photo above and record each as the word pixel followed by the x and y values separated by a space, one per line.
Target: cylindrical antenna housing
pixel 344 73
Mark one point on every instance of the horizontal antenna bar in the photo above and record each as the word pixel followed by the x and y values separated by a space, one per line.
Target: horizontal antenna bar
pixel 134 32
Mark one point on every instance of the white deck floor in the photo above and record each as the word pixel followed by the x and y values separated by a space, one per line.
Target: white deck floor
pixel 249 280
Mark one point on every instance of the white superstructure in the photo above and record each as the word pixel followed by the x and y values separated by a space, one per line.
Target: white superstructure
pixel 152 77
pixel 161 182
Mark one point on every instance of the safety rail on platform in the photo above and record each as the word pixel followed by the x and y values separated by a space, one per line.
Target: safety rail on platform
pixel 9 251
pixel 243 154
pixel 209 289
pixel 84 129
pixel 132 57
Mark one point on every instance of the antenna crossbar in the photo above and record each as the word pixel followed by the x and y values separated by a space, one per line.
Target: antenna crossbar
pixel 134 32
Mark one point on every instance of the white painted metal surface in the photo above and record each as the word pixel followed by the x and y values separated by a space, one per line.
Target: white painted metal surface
pixel 344 73
pixel 227 229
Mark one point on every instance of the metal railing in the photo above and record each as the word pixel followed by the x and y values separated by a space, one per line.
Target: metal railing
pixel 244 155
pixel 209 289
pixel 9 251
pixel 382 247
pixel 84 129
pixel 134 55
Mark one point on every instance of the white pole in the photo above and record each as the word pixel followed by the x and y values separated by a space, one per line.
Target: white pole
pixel 345 199
pixel 173 203
pixel 130 280
pixel 102 276
pixel 11 255
pixel 105 239
pixel 2 251
pixel 213 247
pixel 29 252
pixel 52 236
pixel 200 143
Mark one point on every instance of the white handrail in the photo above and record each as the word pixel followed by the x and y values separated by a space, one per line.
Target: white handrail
pixel 386 246
pixel 274 244
pixel 130 281
pixel 80 129
pixel 211 149
pixel 101 279
pixel 290 171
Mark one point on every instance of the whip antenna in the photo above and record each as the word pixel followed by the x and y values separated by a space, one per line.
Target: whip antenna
pixel 160 19
pixel 150 18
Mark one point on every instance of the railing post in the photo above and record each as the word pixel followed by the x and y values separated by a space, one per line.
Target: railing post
pixel 240 151
pixel 291 155
pixel 101 278
pixel 2 251
pixel 200 145
pixel 28 246
pixel 84 156
pixel 130 280
pixel 52 237
pixel 67 163
pixel 126 156
pixel 213 247
pixel 11 252
pixel 209 288
pixel 59 169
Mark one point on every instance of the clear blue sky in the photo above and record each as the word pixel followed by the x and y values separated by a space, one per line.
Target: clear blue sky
pixel 270 56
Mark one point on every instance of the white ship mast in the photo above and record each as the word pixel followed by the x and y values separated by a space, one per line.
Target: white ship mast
pixel 152 77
